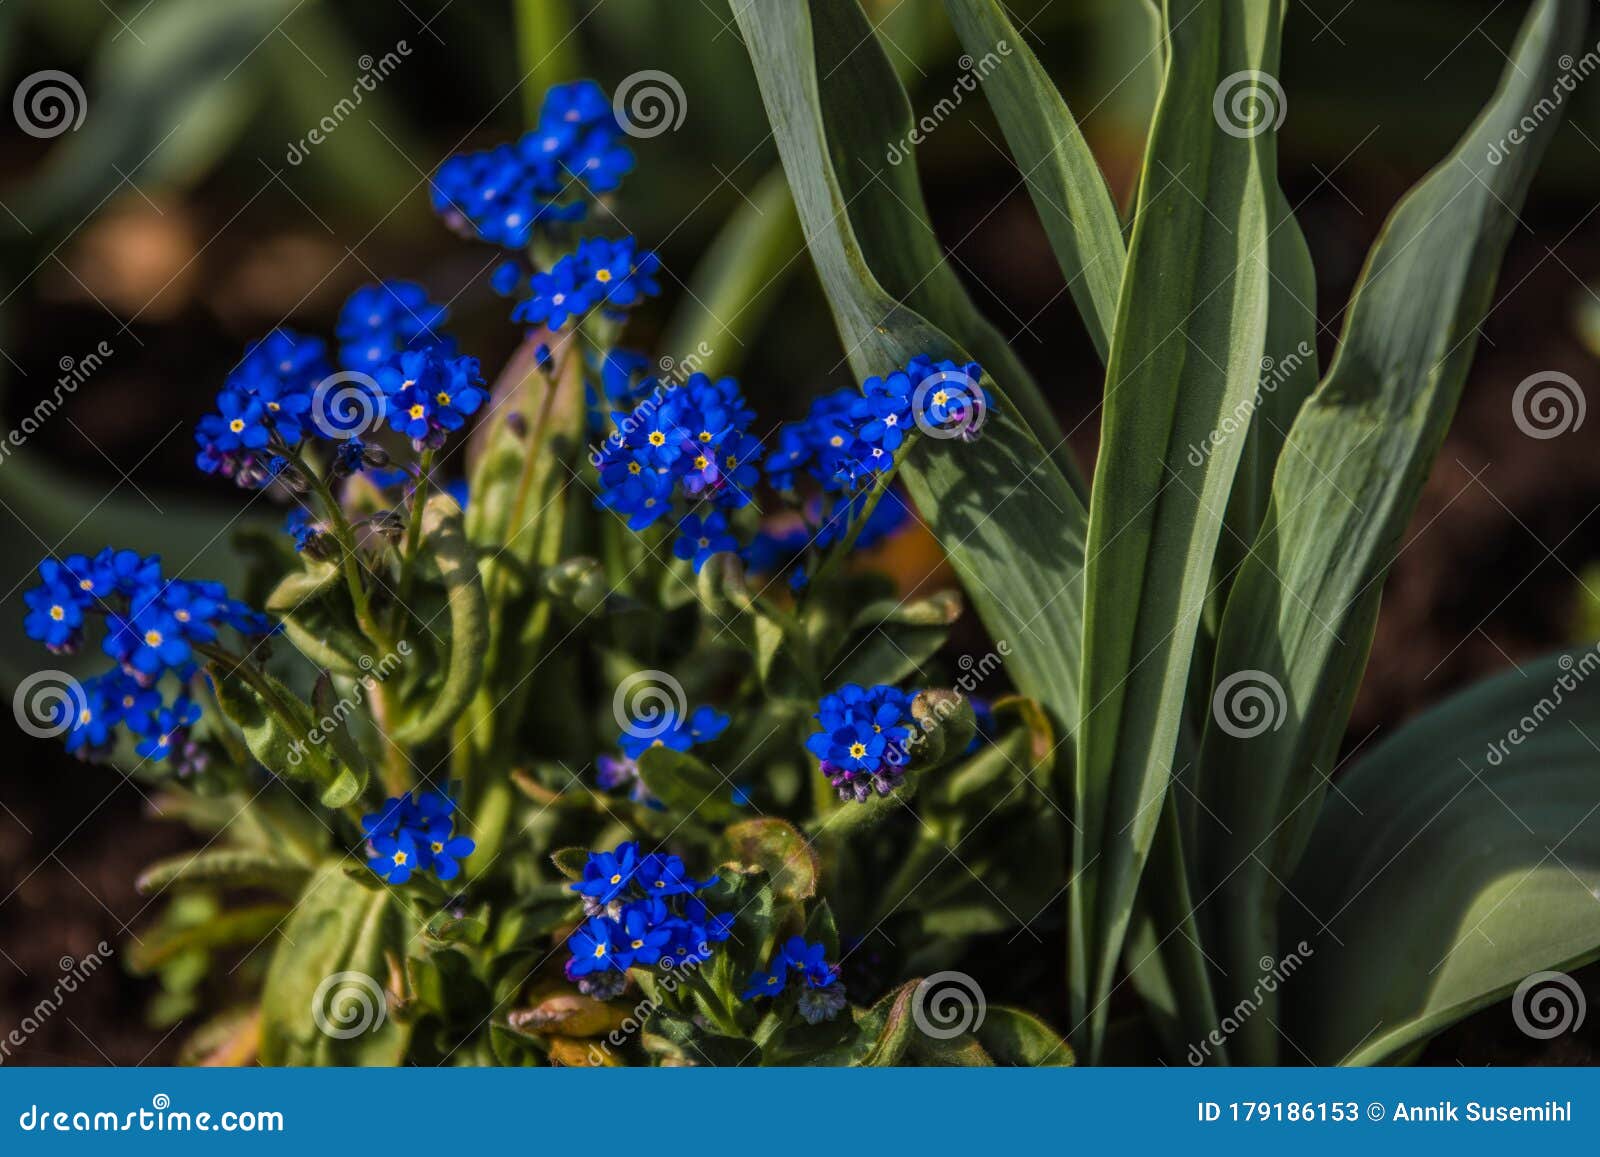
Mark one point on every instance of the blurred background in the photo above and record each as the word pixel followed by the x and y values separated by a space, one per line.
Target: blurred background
pixel 190 211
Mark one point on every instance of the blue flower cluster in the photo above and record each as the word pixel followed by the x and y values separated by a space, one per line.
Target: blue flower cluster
pixel 428 393
pixel 285 390
pixel 690 445
pixel 849 437
pixel 153 625
pixel 380 321
pixel 415 835
pixel 268 393
pixel 704 725
pixel 865 737
pixel 502 194
pixel 642 910
pixel 823 996
pixel 613 276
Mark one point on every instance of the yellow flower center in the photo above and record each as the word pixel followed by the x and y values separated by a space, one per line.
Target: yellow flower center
pixel 635 468
pixel 442 398
pixel 58 612
pixel 704 542
pixel 731 461
pixel 84 716
pixel 274 407
pixel 599 951
pixel 857 750
pixel 657 438
pixel 617 879
pixel 399 859
pixel 940 397
pixel 836 441
pixel 85 585
pixel 437 847
pixel 181 616
pixel 602 275
pixel 236 425
pixel 636 944
pixel 705 435
pixel 152 638
pixel 416 411
pixel 701 462
pixel 127 702
pixel 558 298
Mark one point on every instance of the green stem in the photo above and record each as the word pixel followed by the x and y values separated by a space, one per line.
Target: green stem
pixel 269 696
pixel 408 559
pixel 843 548
pixel 714 1007
pixel 349 559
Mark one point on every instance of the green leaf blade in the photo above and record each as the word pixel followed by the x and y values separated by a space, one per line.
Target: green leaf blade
pixel 1066 184
pixel 1186 352
pixel 1302 610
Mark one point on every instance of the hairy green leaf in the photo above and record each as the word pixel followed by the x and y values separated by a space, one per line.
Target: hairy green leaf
pixel 228 868
pixel 446 541
pixel 325 998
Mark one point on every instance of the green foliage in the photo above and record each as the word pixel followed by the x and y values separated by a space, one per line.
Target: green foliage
pixel 1241 521
pixel 331 969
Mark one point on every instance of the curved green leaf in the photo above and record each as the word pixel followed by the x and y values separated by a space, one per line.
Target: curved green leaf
pixel 1063 179
pixel 868 236
pixel 1458 858
pixel 228 868
pixel 1299 620
pixel 445 540
pixel 1013 1036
